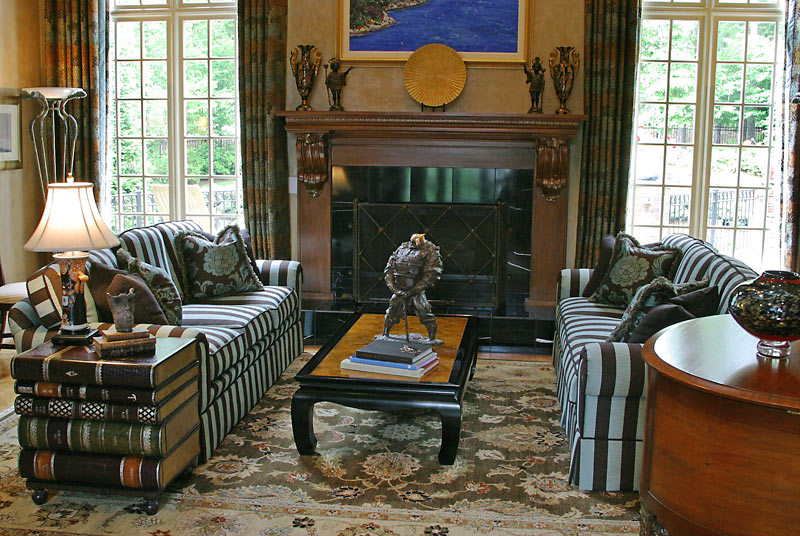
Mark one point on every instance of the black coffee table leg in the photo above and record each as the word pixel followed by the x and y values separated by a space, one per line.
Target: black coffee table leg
pixel 303 422
pixel 451 432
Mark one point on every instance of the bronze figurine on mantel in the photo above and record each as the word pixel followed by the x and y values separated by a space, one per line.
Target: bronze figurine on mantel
pixel 335 81
pixel 564 63
pixel 305 61
pixel 535 82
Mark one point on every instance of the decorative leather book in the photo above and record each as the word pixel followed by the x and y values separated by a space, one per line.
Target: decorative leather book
pixel 110 470
pixel 104 411
pixel 81 364
pixel 108 437
pixel 397 351
pixel 119 395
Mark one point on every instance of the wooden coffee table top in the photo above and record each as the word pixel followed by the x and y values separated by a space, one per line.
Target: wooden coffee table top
pixel 326 364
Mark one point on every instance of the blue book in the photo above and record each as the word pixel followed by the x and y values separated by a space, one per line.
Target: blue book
pixel 375 362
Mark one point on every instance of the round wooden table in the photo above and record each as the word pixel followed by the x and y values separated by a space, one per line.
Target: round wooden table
pixel 722 436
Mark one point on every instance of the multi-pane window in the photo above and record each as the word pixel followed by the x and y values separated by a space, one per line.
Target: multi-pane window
pixel 173 129
pixel 707 143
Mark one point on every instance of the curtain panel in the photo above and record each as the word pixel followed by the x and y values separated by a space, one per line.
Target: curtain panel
pixel 790 193
pixel 262 93
pixel 611 52
pixel 75 52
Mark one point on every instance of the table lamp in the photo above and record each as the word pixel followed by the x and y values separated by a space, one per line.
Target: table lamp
pixel 70 225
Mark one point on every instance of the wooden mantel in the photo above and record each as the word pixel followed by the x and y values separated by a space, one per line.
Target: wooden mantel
pixel 515 141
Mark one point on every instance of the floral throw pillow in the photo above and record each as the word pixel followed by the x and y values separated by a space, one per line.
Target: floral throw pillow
pixel 217 269
pixel 159 283
pixel 631 267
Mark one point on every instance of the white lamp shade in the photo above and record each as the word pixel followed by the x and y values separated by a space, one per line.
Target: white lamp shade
pixel 71 221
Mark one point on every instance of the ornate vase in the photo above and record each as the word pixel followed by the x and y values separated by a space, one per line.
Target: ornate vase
pixel 769 308
pixel 305 61
pixel 564 63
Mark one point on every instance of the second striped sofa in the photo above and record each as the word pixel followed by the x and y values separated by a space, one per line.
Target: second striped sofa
pixel 245 341
pixel 601 385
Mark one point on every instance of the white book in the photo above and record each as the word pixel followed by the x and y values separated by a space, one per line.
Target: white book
pixel 390 371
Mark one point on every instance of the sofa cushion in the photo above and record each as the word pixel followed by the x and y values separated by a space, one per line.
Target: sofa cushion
pixel 147 244
pixel 145 305
pixel 601 268
pixel 159 283
pixel 632 267
pixel 218 268
pixel 701 302
pixel 580 306
pixel 654 293
pixel 44 293
pixel 658 318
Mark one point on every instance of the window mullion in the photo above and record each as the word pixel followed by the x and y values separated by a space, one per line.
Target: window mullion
pixel 177 159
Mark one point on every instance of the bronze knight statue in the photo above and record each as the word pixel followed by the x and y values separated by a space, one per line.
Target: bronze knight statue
pixel 413 268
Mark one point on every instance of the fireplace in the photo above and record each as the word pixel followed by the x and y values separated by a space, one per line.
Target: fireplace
pixel 480 218
pixel 504 168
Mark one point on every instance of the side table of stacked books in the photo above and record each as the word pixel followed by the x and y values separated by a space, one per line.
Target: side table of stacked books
pixel 124 424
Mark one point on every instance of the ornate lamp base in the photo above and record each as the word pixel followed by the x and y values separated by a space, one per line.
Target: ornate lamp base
pixel 74 328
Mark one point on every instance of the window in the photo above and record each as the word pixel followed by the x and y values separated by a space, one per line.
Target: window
pixel 173 128
pixel 707 142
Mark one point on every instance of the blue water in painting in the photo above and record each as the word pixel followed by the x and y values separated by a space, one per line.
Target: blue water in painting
pixel 465 25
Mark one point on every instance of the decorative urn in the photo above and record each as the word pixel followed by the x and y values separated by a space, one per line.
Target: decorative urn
pixel 769 308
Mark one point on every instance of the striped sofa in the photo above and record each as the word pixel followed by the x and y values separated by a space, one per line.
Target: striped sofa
pixel 244 341
pixel 601 385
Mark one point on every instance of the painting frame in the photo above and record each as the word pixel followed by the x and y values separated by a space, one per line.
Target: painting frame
pixel 522 54
pixel 10 130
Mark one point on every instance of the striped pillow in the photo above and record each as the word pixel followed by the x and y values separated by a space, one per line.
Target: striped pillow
pixel 44 293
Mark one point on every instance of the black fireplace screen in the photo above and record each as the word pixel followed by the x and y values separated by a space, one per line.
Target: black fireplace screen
pixel 471 240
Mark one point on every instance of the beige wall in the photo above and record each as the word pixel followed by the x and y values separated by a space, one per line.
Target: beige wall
pixel 499 89
pixel 20 191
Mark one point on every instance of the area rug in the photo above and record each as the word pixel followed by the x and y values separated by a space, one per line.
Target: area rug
pixel 376 474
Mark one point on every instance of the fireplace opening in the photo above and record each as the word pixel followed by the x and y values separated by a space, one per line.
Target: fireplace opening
pixel 479 217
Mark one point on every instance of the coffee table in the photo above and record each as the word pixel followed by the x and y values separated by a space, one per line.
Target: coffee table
pixel 441 390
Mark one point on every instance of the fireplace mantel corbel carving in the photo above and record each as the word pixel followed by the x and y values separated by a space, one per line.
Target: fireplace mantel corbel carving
pixel 312 161
pixel 552 167
pixel 539 142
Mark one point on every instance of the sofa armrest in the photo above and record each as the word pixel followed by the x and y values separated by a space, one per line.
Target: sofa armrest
pixel 613 369
pixel 281 273
pixel 572 281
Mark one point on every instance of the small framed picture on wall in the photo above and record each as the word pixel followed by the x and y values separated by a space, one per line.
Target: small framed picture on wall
pixel 10 132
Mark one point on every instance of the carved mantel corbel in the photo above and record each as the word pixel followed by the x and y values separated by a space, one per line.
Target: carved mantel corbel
pixel 552 167
pixel 312 161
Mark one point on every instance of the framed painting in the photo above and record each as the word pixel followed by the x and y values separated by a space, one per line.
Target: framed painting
pixel 391 30
pixel 10 133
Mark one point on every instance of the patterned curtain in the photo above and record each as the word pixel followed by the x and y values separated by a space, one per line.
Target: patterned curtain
pixel 611 48
pixel 790 195
pixel 262 93
pixel 75 51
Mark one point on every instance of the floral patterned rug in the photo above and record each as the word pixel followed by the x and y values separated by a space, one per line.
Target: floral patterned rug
pixel 376 474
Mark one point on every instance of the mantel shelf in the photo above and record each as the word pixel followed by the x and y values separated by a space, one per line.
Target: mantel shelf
pixel 439 124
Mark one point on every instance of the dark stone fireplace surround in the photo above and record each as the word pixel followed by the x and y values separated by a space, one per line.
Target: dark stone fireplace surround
pixel 472 145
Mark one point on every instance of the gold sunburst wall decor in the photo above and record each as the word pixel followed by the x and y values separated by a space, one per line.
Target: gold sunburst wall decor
pixel 435 75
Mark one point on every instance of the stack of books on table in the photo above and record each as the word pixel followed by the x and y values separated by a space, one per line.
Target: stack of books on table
pixel 124 344
pixel 126 423
pixel 398 358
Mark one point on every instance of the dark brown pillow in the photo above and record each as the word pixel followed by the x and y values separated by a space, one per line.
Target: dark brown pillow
pixel 703 302
pixel 659 317
pixel 603 260
pixel 159 283
pixel 145 306
pixel 100 277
